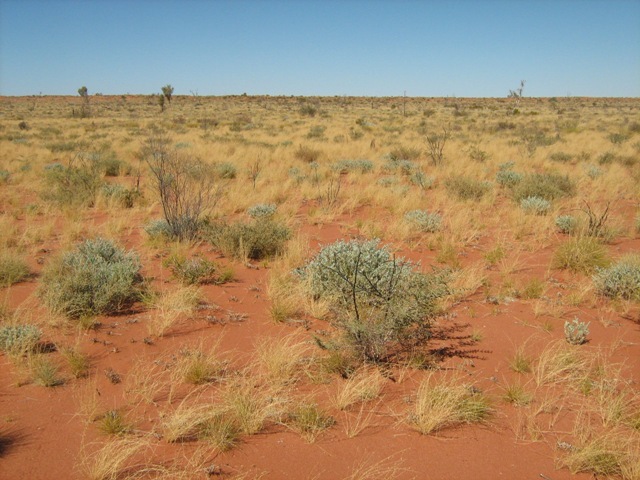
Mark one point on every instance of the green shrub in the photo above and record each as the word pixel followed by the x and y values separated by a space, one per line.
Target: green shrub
pixel 192 271
pixel 76 184
pixel 381 302
pixel 466 188
pixel 620 280
pixel 95 278
pixel 576 332
pixel 421 180
pixel 535 205
pixel 262 210
pixel 508 178
pixel 259 239
pixel 404 153
pixel 424 221
pixel 126 197
pixel 593 172
pixel 566 224
pixel 19 339
pixel 561 157
pixel 346 166
pixel 307 154
pixel 158 229
pixel 580 254
pixel 12 269
pixel 549 186
pixel 226 170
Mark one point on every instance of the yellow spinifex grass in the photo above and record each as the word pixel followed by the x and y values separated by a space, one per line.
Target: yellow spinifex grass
pixel 446 402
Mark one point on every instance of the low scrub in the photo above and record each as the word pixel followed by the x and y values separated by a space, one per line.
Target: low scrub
pixel 580 254
pixel 549 186
pixel 95 278
pixel 12 270
pixel 620 280
pixel 466 188
pixel 257 240
pixel 381 303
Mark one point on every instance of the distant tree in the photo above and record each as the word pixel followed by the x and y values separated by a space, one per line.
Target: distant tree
pixel 167 92
pixel 85 111
pixel 161 102
pixel 517 94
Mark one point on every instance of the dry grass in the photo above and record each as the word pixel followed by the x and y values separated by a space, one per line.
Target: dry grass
pixel 280 359
pixel 364 385
pixel 170 306
pixel 115 459
pixel 446 402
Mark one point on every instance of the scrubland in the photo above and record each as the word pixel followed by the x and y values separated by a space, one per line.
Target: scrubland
pixel 337 287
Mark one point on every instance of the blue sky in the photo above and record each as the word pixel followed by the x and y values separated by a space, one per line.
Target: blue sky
pixel 312 47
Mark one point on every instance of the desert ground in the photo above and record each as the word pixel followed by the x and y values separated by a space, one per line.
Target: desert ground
pixel 319 288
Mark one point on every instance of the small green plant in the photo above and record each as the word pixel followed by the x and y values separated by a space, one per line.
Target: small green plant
pixel 521 362
pixel 193 270
pixel 19 339
pixel 424 221
pixel 467 188
pixel 567 224
pixel 307 154
pixel 549 186
pixel 12 269
pixel 580 254
pixel 96 278
pixel 262 210
pixel 534 288
pixel 508 178
pixel 262 238
pixel 158 229
pixel 517 395
pixel 576 332
pixel 535 205
pixel 620 280
pixel 78 362
pixel 221 430
pixel 113 423
pixel 309 420
pixel 44 371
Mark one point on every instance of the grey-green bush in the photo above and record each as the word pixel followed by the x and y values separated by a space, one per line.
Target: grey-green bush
pixel 620 280
pixel 467 188
pixel 535 205
pixel 566 224
pixel 381 302
pixel 97 277
pixel 262 210
pixel 423 220
pixel 19 339
pixel 549 186
pixel 259 239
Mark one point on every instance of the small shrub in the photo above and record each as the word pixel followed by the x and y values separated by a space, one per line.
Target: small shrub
pixel 381 301
pixel 76 184
pixel 126 197
pixel 478 155
pixel 12 269
pixel 567 224
pixel 307 154
pixel 158 229
pixel 96 278
pixel 581 254
pixel 263 238
pixel 621 280
pixel 535 205
pixel 533 289
pixel 548 186
pixel 78 362
pixel 316 132
pixel 262 210
pixel 19 339
pixel 618 138
pixel 593 172
pixel 467 188
pixel 424 221
pixel 346 166
pixel 113 423
pixel 561 157
pixel 421 180
pixel 508 178
pixel 576 332
pixel 404 153
pixel 309 421
pixel 192 271
pixel 607 158
pixel 44 371
pixel 226 170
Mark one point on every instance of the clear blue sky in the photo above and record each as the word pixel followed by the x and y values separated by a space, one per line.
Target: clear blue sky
pixel 313 47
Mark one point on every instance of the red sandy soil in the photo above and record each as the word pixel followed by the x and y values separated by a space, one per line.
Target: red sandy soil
pixel 46 434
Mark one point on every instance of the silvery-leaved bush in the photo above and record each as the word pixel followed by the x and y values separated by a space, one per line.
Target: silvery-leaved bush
pixel 576 332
